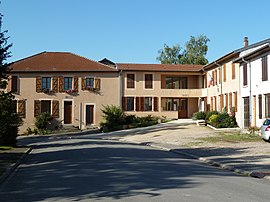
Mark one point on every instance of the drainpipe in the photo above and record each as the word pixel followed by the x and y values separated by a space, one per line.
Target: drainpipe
pixel 250 93
pixel 120 88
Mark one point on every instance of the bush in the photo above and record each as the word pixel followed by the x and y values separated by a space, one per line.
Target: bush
pixel 199 116
pixel 209 114
pixel 213 120
pixel 43 120
pixel 222 120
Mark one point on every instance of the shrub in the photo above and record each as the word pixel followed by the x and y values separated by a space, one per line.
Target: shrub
pixel 209 114
pixel 199 115
pixel 213 120
pixel 42 120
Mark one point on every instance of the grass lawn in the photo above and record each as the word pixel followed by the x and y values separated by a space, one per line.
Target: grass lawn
pixel 232 137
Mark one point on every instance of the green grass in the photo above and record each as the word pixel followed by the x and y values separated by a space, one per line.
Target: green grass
pixel 232 137
pixel 6 147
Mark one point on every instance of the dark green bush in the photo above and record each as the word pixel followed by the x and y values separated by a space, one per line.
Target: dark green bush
pixel 199 115
pixel 209 114
pixel 222 120
pixel 42 120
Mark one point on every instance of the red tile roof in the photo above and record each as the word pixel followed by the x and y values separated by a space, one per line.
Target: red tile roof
pixel 58 61
pixel 160 67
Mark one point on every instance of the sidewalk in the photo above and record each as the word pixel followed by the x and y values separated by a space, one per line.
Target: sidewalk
pixel 181 136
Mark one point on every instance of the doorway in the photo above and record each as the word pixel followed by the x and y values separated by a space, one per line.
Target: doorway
pixel 89 115
pixel 182 108
pixel 67 112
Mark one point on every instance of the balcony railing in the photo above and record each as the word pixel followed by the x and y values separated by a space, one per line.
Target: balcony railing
pixel 184 92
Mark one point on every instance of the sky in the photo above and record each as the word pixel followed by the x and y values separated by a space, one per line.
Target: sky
pixel 131 31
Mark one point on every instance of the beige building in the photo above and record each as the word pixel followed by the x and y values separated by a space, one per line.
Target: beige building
pixel 70 87
pixel 173 91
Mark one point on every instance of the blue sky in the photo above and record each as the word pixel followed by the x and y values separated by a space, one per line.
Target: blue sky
pixel 131 30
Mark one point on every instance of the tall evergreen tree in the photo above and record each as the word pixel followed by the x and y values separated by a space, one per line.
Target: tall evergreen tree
pixel 9 120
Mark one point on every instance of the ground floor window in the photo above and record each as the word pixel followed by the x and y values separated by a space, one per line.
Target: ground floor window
pixel 267 105
pixel 148 104
pixel 130 104
pixel 170 104
pixel 45 106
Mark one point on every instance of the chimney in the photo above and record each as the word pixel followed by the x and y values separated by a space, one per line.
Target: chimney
pixel 246 41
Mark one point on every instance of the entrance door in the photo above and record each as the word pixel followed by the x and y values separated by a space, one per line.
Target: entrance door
pixel 246 112
pixel 89 114
pixel 67 112
pixel 182 109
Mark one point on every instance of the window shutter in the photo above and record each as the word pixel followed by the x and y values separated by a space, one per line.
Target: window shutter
pixel 213 78
pixel 260 106
pixel 227 102
pixel 61 84
pixel 38 84
pixel 14 83
pixel 156 104
pixel 264 69
pixel 97 84
pixel 163 81
pixel 83 83
pixel 21 108
pixel 124 103
pixel 36 108
pixel 224 73
pixel 230 101
pixel 235 101
pixel 245 74
pixel 55 108
pixel 221 102
pixel 142 104
pixel 55 84
pixel 76 85
pixel 233 70
pixel 137 104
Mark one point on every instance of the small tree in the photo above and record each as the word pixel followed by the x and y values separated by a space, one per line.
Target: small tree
pixel 8 118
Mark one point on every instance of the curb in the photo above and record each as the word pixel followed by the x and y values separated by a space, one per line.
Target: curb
pixel 253 174
pixel 12 167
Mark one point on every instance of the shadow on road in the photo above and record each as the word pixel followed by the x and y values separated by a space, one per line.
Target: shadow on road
pixel 94 169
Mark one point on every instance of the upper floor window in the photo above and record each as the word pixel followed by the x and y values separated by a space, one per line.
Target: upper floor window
pixel 130 80
pixel 89 82
pixel 46 83
pixel 148 80
pixel 14 84
pixel 264 69
pixel 68 83
pixel 176 82
pixel 244 74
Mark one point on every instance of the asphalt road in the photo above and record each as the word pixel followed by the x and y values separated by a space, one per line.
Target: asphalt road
pixel 79 168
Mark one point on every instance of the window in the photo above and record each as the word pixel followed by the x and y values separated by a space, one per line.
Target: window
pixel 170 104
pixel 148 81
pixel 14 84
pixel 245 74
pixel 89 83
pixel 176 82
pixel 68 83
pixel 45 106
pixel 130 104
pixel 148 104
pixel 130 80
pixel 264 69
pixel 233 70
pixel 46 83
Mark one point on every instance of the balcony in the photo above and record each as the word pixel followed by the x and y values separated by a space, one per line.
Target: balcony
pixel 184 92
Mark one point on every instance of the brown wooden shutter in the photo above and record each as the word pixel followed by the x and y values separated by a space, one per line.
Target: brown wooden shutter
pixel 36 108
pixel 83 83
pixel 227 101
pixel 233 70
pixel 230 100
pixel 221 102
pixel 61 84
pixel 268 105
pixel 124 103
pixel 245 74
pixel 224 72
pixel 21 108
pixel 260 106
pixel 163 81
pixel 235 101
pixel 38 84
pixel 97 83
pixel 156 104
pixel 213 78
pixel 137 104
pixel 14 84
pixel 55 108
pixel 76 83
pixel 142 104
pixel 211 104
pixel 264 69
pixel 55 84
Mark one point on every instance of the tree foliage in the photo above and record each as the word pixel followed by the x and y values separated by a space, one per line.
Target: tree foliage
pixel 194 53
pixel 8 118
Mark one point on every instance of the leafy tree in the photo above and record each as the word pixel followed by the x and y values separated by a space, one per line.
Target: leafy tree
pixel 8 119
pixel 194 53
